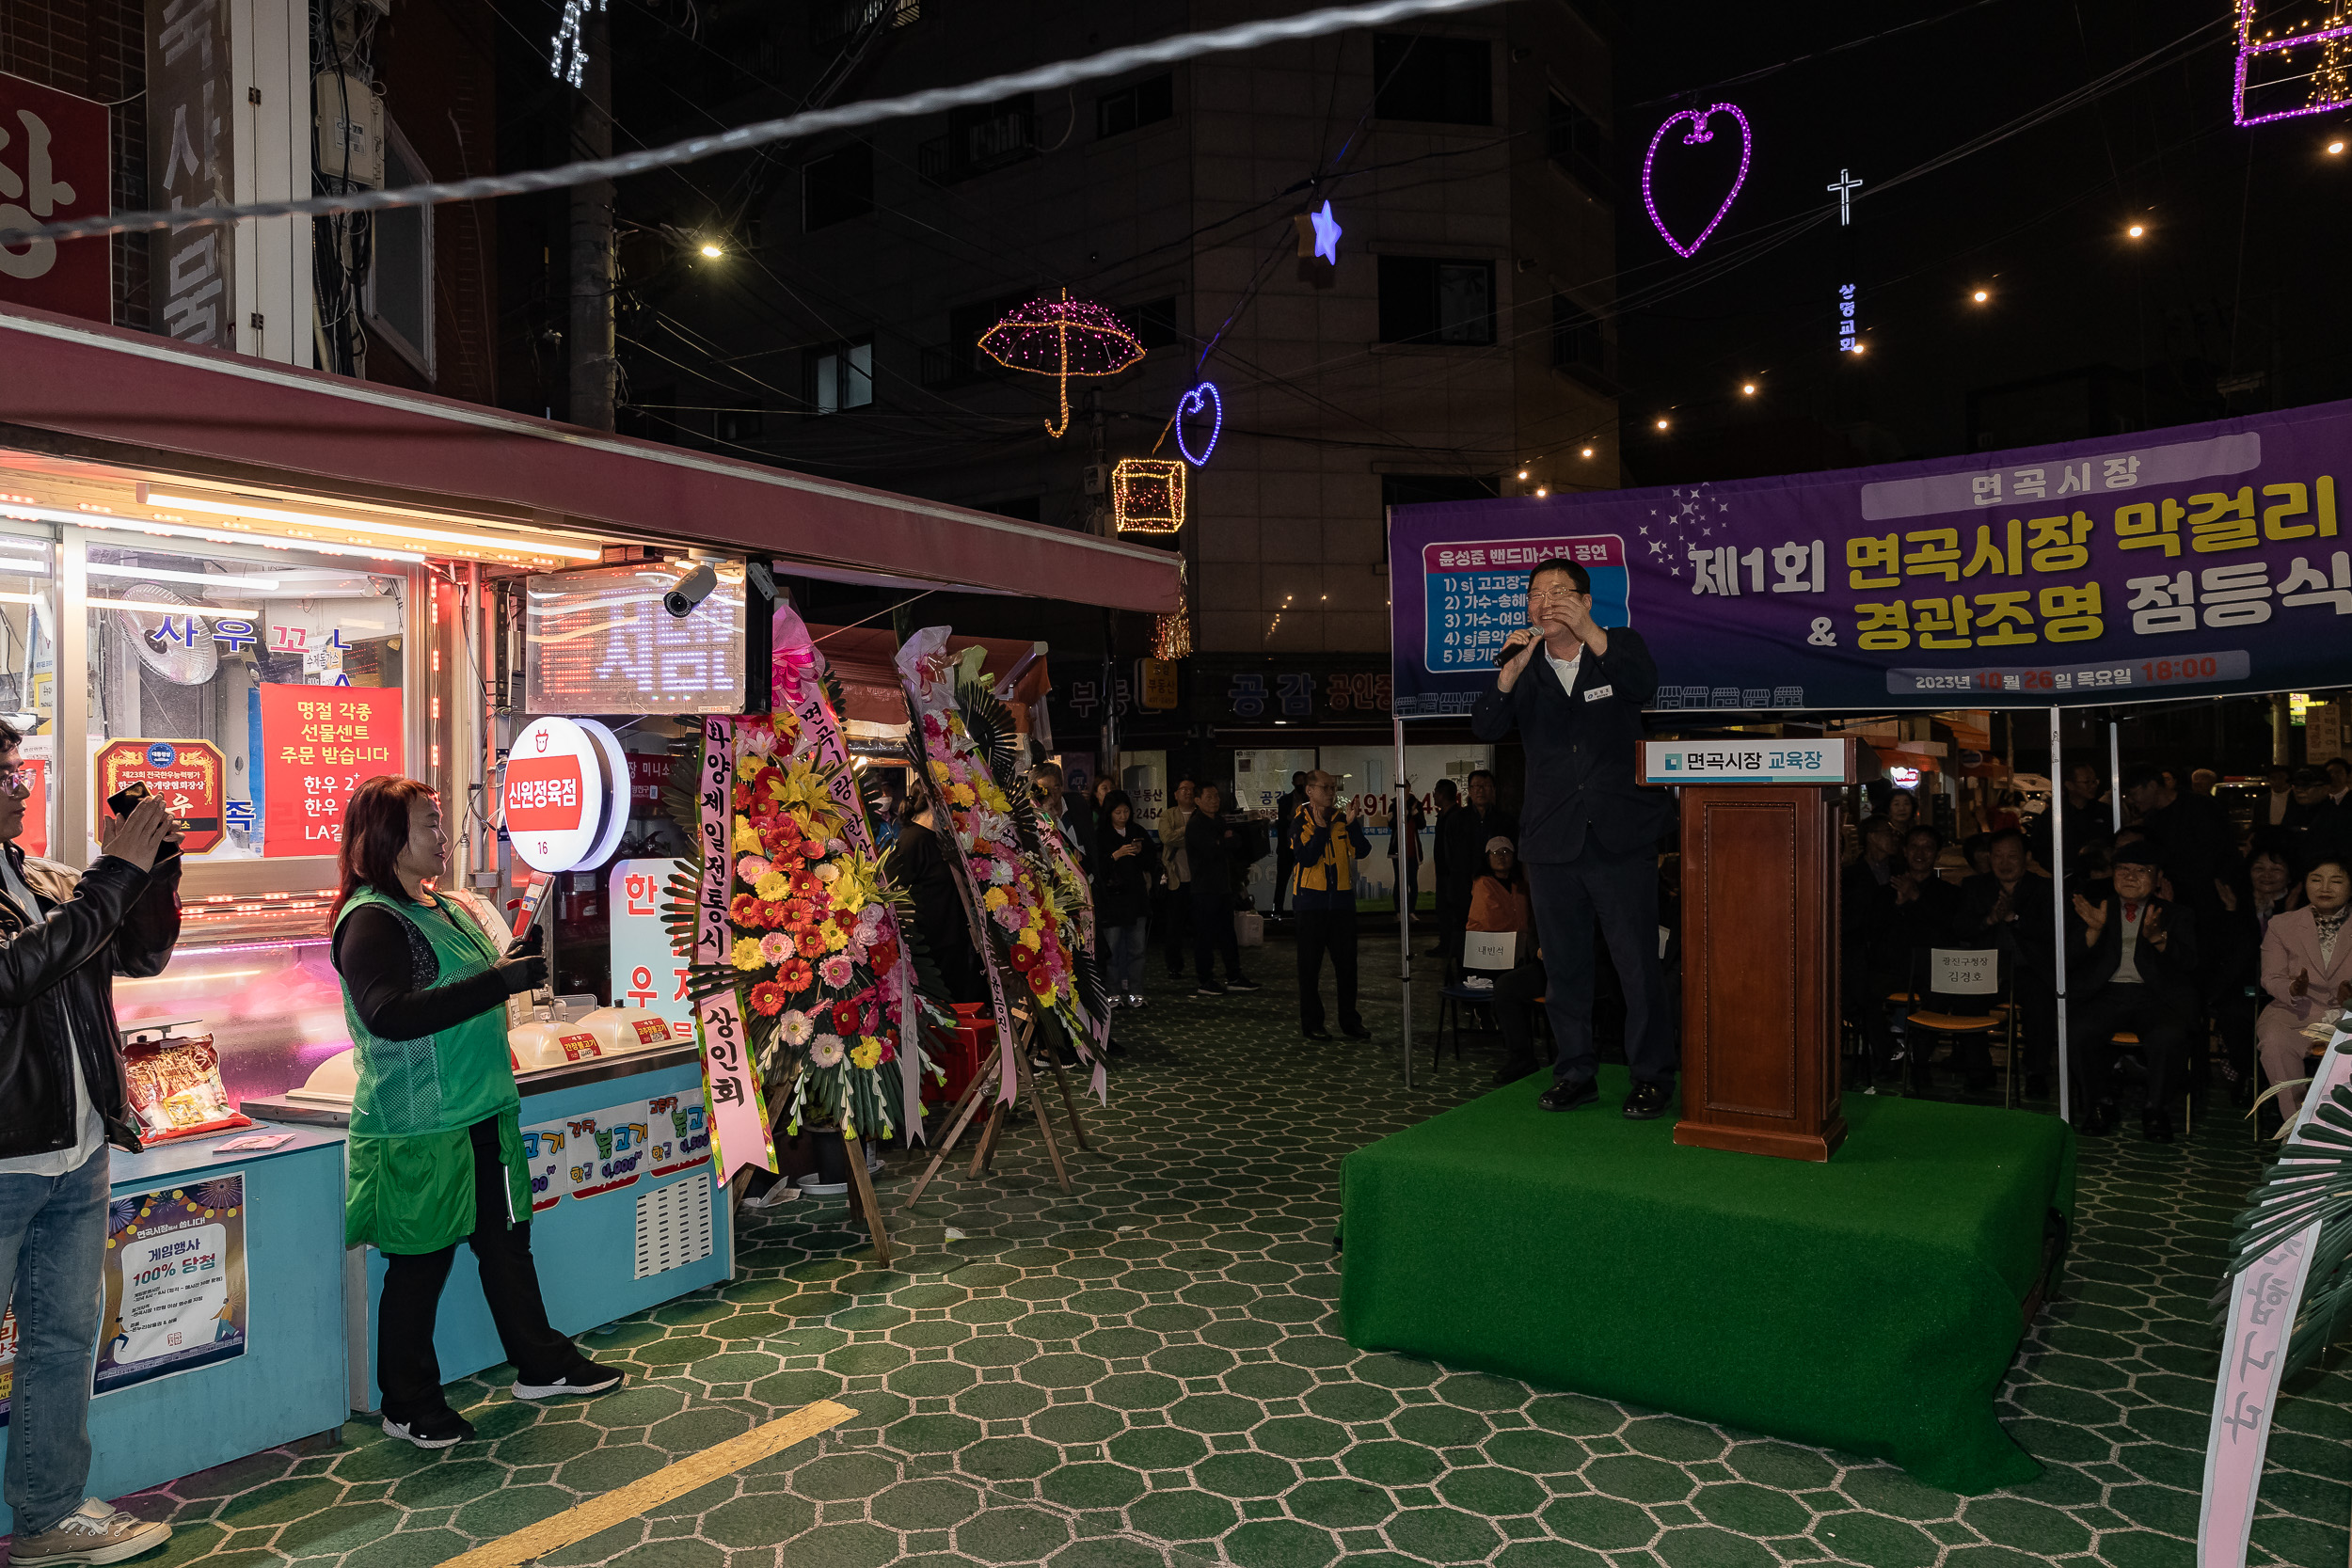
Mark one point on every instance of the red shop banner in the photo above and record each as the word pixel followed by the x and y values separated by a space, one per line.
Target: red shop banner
pixel 188 775
pixel 54 166
pixel 319 744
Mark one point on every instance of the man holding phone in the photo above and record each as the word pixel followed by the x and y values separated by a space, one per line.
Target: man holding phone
pixel 64 935
pixel 1575 691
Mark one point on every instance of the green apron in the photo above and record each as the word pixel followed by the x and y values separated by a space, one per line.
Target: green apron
pixel 412 1175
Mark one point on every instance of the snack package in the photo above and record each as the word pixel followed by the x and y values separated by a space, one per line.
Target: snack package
pixel 176 1089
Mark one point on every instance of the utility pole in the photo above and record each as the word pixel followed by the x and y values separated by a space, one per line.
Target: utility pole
pixel 592 369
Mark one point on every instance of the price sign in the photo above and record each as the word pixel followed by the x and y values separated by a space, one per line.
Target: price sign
pixel 186 773
pixel 319 744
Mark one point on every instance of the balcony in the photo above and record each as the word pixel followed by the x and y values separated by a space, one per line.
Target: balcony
pixel 840 20
pixel 1003 137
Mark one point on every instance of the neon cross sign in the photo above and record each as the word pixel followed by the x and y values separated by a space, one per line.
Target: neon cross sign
pixel 1698 136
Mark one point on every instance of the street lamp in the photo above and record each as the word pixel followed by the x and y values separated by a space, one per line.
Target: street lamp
pixel 710 249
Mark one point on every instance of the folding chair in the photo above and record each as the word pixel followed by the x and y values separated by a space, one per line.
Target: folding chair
pixel 1488 952
pixel 1966 972
pixel 2188 1101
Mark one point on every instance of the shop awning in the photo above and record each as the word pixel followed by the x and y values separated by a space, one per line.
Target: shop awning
pixel 130 398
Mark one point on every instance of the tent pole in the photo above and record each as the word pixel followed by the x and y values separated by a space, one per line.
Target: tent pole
pixel 2057 894
pixel 2115 776
pixel 1403 904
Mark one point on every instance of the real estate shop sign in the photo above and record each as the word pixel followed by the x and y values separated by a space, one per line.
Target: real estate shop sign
pixel 2197 560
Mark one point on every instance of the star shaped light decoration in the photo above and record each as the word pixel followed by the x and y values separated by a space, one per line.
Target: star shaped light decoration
pixel 1326 234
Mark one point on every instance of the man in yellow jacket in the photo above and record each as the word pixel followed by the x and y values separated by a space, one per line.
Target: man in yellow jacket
pixel 1326 844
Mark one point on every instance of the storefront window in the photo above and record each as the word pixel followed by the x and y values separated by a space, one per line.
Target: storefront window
pixel 255 693
pixel 28 674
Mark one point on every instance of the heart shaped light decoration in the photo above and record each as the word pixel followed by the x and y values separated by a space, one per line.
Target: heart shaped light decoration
pixel 1698 136
pixel 1203 398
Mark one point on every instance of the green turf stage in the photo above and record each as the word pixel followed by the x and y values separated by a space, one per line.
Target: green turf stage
pixel 1868 1304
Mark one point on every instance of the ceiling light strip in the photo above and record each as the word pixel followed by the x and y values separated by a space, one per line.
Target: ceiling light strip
pixel 515 544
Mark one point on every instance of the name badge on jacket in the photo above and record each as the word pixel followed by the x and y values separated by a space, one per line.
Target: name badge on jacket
pixel 1597 692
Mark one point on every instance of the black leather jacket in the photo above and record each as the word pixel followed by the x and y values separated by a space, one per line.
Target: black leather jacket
pixel 119 920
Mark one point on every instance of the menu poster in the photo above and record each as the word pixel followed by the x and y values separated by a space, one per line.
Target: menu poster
pixel 319 744
pixel 611 1150
pixel 175 1282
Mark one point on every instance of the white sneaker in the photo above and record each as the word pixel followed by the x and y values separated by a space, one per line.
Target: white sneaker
pixel 1134 1000
pixel 94 1532
pixel 1478 982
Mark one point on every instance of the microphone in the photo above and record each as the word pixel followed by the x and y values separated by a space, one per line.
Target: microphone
pixel 1504 655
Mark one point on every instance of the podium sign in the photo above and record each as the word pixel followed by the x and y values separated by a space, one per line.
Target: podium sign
pixel 1760 940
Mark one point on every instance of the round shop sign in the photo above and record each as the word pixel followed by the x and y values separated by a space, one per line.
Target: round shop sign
pixel 559 796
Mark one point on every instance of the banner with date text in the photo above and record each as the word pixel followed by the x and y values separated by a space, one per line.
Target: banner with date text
pixel 2195 560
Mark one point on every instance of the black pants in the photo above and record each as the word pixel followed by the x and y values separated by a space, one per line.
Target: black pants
pixel 405 1367
pixel 1175 924
pixel 1619 893
pixel 1515 1015
pixel 1452 920
pixel 2162 1019
pixel 1331 931
pixel 1867 985
pixel 1211 934
pixel 1282 864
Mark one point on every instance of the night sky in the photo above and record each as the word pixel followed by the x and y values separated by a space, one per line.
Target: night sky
pixel 2240 270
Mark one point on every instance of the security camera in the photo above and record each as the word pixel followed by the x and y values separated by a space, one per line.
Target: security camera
pixel 692 587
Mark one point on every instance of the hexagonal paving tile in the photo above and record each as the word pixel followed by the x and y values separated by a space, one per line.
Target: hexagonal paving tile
pixel 1147 1373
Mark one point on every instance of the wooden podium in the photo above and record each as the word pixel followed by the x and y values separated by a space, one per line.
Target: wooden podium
pixel 1760 940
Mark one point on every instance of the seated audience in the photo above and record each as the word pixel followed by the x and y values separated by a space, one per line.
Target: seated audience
pixel 1499 900
pixel 2012 909
pixel 2132 965
pixel 2307 971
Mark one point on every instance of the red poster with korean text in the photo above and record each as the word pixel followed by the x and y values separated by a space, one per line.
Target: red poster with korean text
pixel 320 743
pixel 55 159
pixel 188 774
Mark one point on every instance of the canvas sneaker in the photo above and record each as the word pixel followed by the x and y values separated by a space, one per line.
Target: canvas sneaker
pixel 585 1377
pixel 94 1532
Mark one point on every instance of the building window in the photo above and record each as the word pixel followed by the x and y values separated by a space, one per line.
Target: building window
pixel 1425 299
pixel 400 265
pixel 739 425
pixel 1154 323
pixel 836 21
pixel 842 377
pixel 1439 80
pixel 959 360
pixel 1146 102
pixel 1577 143
pixel 837 187
pixel 1578 345
pixel 979 139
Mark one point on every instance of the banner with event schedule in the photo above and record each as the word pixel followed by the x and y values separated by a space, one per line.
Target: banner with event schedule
pixel 2197 560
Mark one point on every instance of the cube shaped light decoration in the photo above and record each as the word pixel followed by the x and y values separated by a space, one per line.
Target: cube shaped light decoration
pixel 1148 494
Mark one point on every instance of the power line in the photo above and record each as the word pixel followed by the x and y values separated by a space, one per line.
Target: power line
pixel 1111 62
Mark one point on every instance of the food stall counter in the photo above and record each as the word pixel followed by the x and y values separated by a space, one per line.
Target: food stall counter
pixel 223 1328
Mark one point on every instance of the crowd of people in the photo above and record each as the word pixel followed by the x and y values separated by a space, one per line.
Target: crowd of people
pixel 2197 949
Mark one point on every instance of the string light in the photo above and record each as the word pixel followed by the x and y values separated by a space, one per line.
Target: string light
pixel 1980 296
pixel 1522 473
pixel 1541 492
pixel 2335 148
pixel 1698 136
pixel 1061 337
pixel 1204 396
pixel 1588 451
pixel 711 249
pixel 2269 68
pixel 2136 230
pixel 1662 424
pixel 1747 388
pixel 1148 494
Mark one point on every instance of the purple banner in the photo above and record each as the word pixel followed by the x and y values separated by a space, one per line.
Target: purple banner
pixel 2197 560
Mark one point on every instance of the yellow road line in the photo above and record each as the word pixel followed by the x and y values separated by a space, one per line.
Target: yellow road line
pixel 582 1520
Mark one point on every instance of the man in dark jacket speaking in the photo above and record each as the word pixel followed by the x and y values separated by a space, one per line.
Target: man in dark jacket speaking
pixel 1589 834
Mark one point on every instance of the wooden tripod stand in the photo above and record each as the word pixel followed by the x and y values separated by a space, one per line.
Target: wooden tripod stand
pixel 983 1157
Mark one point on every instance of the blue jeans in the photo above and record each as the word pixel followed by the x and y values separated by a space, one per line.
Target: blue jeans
pixel 53 1244
pixel 1122 956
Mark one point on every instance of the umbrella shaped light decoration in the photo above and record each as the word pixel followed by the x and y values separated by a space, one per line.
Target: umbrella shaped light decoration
pixel 1063 338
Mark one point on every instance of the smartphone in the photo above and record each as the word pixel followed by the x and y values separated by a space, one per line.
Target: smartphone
pixel 527 908
pixel 123 802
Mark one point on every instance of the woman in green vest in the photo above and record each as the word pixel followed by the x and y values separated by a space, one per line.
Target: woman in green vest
pixel 437 1154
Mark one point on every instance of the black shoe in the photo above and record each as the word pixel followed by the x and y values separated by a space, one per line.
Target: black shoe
pixel 441 1429
pixel 1647 1101
pixel 1568 1097
pixel 1209 988
pixel 2097 1121
pixel 1316 1033
pixel 2156 1126
pixel 1355 1031
pixel 1511 1073
pixel 585 1377
pixel 1240 982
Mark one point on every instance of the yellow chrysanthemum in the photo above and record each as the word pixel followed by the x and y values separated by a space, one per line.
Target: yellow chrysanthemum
pixel 939 770
pixel 961 794
pixel 866 1054
pixel 745 954
pixel 772 886
pixel 1030 936
pixel 994 899
pixel 746 840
